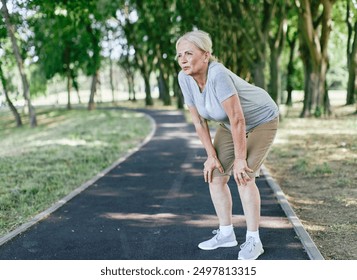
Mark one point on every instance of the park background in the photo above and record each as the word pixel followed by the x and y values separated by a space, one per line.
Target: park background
pixel 61 61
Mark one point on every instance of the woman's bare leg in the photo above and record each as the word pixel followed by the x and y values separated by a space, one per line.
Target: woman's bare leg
pixel 250 198
pixel 222 199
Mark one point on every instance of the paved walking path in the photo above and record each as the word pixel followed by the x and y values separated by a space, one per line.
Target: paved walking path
pixel 153 205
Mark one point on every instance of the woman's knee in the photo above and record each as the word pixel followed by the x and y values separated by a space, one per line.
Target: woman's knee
pixel 251 185
pixel 219 181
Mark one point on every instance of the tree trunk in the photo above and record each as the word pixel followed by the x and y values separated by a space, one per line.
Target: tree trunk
pixel 259 35
pixel 327 104
pixel 164 89
pixel 111 76
pixel 132 84
pixel 148 98
pixel 290 69
pixel 352 71
pixel 93 90
pixel 69 86
pixel 130 80
pixel 275 80
pixel 8 100
pixel 315 38
pixel 177 92
pixel 308 89
pixel 276 48
pixel 276 44
pixel 258 74
pixel 25 84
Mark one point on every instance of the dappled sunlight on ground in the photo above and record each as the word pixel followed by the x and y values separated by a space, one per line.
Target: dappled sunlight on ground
pixel 195 220
pixel 68 142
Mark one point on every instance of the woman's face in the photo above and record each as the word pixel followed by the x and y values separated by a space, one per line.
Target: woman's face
pixel 191 59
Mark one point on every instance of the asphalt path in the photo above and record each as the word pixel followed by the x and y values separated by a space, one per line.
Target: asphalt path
pixel 154 205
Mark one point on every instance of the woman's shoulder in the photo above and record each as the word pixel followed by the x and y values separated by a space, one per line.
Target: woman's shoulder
pixel 216 66
pixel 217 69
pixel 182 77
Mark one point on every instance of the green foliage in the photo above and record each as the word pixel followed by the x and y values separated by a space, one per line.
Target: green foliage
pixel 71 37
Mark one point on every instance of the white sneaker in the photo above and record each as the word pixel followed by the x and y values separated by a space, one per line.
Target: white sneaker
pixel 219 240
pixel 250 250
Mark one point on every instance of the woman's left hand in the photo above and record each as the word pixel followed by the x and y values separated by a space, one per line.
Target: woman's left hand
pixel 240 169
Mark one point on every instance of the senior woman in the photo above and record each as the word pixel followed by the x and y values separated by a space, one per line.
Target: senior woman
pixel 248 121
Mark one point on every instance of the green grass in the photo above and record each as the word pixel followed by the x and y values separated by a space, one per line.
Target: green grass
pixel 38 166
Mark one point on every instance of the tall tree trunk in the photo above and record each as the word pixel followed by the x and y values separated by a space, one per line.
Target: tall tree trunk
pixel 275 78
pixel 258 39
pixel 290 69
pixel 352 73
pixel 111 76
pixel 352 61
pixel 94 64
pixel 308 81
pixel 67 59
pixel 327 104
pixel 69 86
pixel 164 89
pixel 93 90
pixel 177 91
pixel 132 85
pixel 75 85
pixel 15 47
pixel 8 100
pixel 316 38
pixel 148 98
pixel 258 74
pixel 276 43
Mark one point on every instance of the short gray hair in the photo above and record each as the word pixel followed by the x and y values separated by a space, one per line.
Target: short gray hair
pixel 200 39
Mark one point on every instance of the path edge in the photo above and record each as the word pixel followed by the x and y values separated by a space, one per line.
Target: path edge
pixel 24 227
pixel 309 245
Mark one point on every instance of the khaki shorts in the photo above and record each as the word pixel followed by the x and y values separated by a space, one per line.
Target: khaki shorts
pixel 259 141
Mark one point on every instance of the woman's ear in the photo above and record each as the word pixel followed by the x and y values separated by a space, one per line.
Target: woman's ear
pixel 207 56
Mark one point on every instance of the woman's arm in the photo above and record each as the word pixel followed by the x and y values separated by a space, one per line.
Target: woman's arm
pixel 234 112
pixel 204 135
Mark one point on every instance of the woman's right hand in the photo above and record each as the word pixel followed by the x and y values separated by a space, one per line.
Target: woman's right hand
pixel 211 164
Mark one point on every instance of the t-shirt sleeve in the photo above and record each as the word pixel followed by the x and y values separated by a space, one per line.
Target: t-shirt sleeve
pixel 224 86
pixel 186 91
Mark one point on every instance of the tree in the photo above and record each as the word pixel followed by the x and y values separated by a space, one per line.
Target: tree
pixel 61 54
pixel 138 38
pixel 256 17
pixel 6 59
pixel 126 62
pixel 26 88
pixel 291 38
pixel 276 42
pixel 351 21
pixel 315 27
pixel 4 83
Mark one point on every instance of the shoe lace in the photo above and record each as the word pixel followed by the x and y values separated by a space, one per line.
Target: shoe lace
pixel 216 232
pixel 249 244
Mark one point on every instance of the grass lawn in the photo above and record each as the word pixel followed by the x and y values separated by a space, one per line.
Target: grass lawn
pixel 38 166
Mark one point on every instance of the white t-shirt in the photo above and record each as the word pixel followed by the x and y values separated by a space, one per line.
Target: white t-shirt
pixel 258 107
